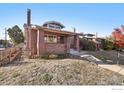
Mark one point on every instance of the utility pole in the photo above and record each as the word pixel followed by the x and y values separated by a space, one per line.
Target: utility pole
pixel 5 38
pixel 118 55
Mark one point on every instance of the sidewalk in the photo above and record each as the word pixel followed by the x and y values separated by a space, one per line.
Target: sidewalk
pixel 115 68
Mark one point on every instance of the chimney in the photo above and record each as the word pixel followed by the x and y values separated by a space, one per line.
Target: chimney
pixel 74 29
pixel 28 17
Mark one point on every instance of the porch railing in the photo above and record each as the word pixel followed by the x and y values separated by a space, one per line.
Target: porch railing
pixel 9 55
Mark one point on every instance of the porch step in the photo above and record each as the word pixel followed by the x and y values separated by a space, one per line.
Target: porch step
pixel 74 52
pixel 92 59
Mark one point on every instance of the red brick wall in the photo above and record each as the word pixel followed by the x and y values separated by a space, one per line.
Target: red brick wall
pixel 33 42
pixel 55 48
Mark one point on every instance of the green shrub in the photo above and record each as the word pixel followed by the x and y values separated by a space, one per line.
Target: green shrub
pixel 47 77
pixel 108 45
pixel 15 74
pixel 1 78
pixel 87 45
pixel 54 56
pixel 61 56
pixel 45 56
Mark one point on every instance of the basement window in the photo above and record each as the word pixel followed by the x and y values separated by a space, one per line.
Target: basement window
pixel 50 39
pixel 62 39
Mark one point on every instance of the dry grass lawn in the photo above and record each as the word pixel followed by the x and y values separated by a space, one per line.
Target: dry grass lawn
pixel 57 72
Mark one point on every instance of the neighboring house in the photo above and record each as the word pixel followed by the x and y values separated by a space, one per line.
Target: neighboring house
pixel 5 43
pixel 2 44
pixel 1 47
pixel 48 38
pixel 92 37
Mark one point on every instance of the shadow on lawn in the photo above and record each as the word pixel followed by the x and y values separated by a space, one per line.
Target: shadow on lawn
pixel 16 63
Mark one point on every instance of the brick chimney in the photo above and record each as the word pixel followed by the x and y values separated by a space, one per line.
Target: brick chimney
pixel 28 17
pixel 74 29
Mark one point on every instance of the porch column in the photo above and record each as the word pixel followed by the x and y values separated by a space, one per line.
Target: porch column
pixel 29 41
pixel 41 42
pixel 67 44
pixel 38 43
pixel 76 39
pixel 26 46
pixel 26 38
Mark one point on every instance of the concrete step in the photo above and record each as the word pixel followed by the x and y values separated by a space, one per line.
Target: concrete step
pixel 74 52
pixel 92 59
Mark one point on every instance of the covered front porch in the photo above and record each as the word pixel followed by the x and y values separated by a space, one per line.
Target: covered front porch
pixel 45 41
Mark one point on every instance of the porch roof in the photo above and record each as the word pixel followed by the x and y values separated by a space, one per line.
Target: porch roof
pixel 59 31
pixel 54 31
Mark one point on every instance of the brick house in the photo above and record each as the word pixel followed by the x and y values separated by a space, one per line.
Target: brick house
pixel 48 38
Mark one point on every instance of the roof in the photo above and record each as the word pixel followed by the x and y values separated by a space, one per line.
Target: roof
pixel 54 22
pixel 53 30
pixel 89 35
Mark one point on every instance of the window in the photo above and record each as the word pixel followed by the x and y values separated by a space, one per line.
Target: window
pixel 52 26
pixel 62 39
pixel 122 33
pixel 50 38
pixel 58 27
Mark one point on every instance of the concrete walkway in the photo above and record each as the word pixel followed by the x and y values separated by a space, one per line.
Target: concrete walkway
pixel 116 68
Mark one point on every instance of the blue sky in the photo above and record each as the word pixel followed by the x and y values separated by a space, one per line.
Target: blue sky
pixel 86 18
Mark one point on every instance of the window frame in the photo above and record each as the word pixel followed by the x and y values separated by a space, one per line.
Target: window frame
pixel 47 38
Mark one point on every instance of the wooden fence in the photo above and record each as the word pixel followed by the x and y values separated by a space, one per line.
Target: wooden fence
pixel 9 55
